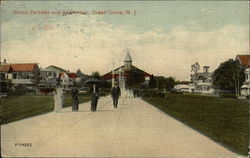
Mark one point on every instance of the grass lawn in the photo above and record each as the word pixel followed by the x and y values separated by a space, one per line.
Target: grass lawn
pixel 14 108
pixel 224 120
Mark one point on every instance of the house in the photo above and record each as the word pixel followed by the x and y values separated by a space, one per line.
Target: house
pixel 182 88
pixel 245 88
pixel 6 72
pixel 244 61
pixel 47 79
pixel 67 78
pixel 56 69
pixel 202 82
pixel 22 74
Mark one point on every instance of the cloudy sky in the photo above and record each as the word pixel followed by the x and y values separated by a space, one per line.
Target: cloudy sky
pixel 164 38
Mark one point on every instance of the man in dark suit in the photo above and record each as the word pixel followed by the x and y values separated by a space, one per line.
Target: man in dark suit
pixel 74 94
pixel 115 93
pixel 94 90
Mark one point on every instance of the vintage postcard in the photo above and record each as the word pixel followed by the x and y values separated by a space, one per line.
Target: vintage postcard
pixel 165 79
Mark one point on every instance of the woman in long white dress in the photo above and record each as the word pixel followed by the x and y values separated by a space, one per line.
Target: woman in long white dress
pixel 58 98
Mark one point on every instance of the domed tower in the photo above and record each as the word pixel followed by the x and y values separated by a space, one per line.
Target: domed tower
pixel 127 62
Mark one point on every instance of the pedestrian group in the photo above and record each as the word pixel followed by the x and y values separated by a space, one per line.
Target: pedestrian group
pixel 95 94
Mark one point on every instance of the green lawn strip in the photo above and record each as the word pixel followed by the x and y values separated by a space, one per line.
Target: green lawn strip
pixel 15 108
pixel 224 120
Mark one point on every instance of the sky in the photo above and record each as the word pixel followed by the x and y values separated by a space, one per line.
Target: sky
pixel 164 38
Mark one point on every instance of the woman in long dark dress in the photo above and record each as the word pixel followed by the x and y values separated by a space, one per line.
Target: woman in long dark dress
pixel 94 90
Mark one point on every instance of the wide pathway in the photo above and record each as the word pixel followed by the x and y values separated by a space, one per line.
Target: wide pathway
pixel 134 129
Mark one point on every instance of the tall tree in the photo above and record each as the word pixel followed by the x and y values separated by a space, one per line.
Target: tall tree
pixel 229 76
pixel 161 82
pixel 152 82
pixel 135 77
pixel 96 75
pixel 170 83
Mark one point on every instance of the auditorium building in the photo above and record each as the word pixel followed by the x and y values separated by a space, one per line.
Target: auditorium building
pixel 121 73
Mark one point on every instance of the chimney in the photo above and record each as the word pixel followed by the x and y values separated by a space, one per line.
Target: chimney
pixel 205 69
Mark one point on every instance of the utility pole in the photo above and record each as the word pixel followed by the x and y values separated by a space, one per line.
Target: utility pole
pixel 113 74
pixel 0 58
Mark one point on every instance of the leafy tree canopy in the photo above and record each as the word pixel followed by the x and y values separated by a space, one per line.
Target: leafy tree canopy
pixel 135 78
pixel 96 75
pixel 229 75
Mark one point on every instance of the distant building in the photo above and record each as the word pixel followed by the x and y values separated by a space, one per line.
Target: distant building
pixel 67 78
pixel 182 88
pixel 202 82
pixel 124 70
pixel 56 69
pixel 47 78
pixel 20 74
pixel 245 88
pixel 122 74
pixel 6 72
pixel 244 60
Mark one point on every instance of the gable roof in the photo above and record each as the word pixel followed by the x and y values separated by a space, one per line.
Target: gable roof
pixel 109 74
pixel 5 68
pixel 24 67
pixel 244 59
pixel 55 68
pixel 68 74
pixel 72 75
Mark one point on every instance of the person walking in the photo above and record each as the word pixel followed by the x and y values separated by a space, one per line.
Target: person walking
pixel 94 90
pixel 134 93
pixel 58 98
pixel 74 94
pixel 115 94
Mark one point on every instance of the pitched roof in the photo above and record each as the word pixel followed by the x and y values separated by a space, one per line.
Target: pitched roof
pixel 109 74
pixel 24 67
pixel 55 68
pixel 244 59
pixel 69 74
pixel 72 75
pixel 5 68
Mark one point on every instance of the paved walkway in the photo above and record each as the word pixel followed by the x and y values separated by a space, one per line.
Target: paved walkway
pixel 135 129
